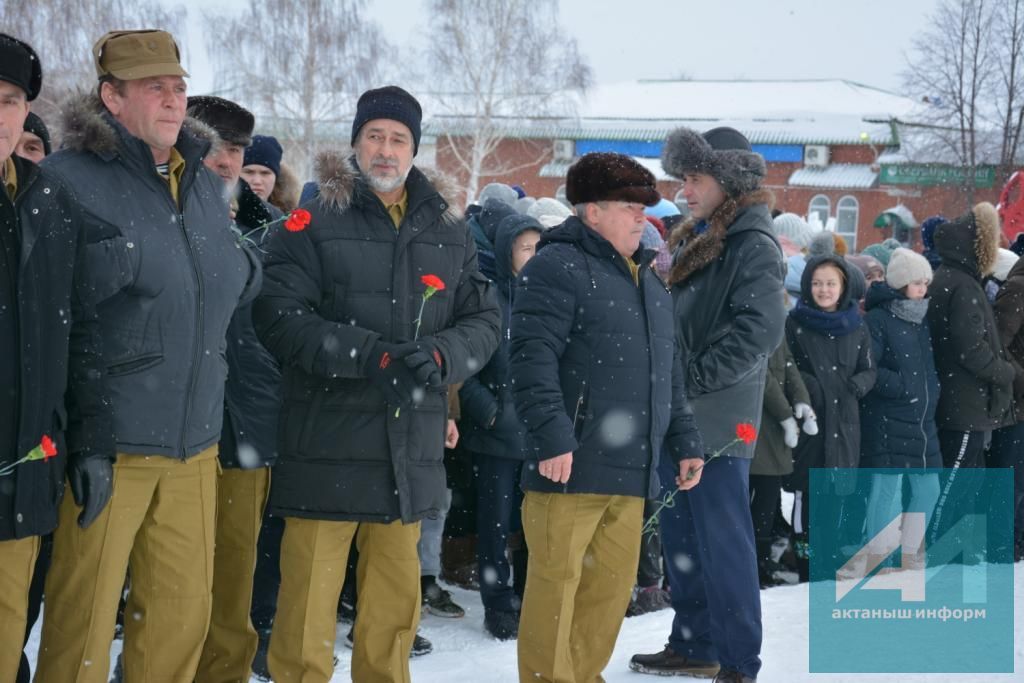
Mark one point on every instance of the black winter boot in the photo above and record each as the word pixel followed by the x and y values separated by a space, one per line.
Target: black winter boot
pixel 668 663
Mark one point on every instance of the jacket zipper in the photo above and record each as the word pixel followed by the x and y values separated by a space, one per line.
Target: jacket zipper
pixel 579 404
pixel 198 336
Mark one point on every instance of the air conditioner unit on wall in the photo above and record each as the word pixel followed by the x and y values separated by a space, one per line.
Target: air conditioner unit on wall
pixel 816 155
pixel 564 150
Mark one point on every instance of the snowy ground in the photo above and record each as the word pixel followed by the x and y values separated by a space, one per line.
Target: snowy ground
pixel 463 652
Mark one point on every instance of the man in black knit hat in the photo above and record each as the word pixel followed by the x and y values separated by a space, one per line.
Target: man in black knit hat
pixel 366 379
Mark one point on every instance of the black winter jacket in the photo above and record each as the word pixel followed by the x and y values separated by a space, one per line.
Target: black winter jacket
pixel 167 278
pixel 332 291
pixel 252 396
pixel 58 362
pixel 974 369
pixel 729 314
pixel 490 425
pixel 595 367
pixel 833 352
pixel 897 416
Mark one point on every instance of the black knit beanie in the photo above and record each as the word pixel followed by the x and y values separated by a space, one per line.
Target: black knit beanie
pixel 389 102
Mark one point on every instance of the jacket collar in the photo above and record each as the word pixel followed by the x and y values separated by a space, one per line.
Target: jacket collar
pixel 89 127
pixel 342 186
pixel 734 216
pixel 575 231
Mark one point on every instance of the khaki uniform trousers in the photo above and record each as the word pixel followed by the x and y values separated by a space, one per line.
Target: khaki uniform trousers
pixel 17 563
pixel 584 552
pixel 314 554
pixel 231 642
pixel 160 523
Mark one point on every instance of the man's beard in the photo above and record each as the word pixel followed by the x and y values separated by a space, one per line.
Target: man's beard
pixel 385 184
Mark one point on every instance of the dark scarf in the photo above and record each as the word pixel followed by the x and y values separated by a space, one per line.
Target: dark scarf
pixel 911 310
pixel 837 323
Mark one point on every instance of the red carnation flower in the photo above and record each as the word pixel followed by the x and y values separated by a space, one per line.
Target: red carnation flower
pixel 746 433
pixel 49 448
pixel 433 282
pixel 297 220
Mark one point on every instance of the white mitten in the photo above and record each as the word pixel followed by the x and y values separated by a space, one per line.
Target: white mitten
pixel 804 412
pixel 791 432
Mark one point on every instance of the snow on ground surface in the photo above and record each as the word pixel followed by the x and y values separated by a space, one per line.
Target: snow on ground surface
pixel 463 652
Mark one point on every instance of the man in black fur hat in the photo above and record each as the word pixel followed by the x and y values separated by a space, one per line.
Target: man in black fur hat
pixel 727 289
pixel 595 373
pixel 54 409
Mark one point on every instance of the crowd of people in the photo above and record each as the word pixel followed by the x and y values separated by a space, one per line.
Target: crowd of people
pixel 279 406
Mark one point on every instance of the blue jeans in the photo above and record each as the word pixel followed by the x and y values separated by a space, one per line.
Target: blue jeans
pixel 886 500
pixel 707 538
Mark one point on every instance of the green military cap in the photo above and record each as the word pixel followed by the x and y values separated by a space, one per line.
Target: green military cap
pixel 130 55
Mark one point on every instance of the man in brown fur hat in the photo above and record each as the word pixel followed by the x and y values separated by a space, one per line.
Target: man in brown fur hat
pixel 595 374
pixel 727 289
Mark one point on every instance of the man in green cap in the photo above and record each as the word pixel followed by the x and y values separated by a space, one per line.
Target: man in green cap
pixel 167 274
pixel 54 412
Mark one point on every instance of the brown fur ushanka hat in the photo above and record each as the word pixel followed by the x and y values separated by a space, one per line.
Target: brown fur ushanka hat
pixel 608 176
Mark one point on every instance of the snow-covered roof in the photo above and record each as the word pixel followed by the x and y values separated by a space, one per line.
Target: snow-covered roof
pixel 767 112
pixel 855 176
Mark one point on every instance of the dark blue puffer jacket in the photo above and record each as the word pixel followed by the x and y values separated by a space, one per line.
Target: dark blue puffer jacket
pixel 489 424
pixel 897 416
pixel 595 367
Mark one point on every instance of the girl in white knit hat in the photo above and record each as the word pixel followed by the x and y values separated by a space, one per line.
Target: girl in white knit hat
pixel 898 415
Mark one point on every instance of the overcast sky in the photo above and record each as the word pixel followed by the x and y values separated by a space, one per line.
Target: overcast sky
pixel 864 41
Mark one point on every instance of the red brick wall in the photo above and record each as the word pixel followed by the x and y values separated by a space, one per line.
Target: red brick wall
pixel 528 156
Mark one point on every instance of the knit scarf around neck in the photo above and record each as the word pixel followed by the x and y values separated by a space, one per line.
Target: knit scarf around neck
pixel 911 310
pixel 836 323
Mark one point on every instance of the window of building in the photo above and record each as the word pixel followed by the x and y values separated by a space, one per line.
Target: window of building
pixel 560 193
pixel 847 213
pixel 820 206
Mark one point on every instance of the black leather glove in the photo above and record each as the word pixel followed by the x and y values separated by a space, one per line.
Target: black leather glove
pixel 92 483
pixel 425 362
pixel 386 369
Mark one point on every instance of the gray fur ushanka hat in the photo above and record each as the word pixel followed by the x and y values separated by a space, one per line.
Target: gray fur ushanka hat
pixel 722 153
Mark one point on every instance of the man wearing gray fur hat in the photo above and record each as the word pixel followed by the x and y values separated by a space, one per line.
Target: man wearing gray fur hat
pixel 726 283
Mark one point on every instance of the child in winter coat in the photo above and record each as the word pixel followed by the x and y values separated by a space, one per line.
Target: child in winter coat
pixel 898 429
pixel 832 349
pixel 497 439
pixel 785 400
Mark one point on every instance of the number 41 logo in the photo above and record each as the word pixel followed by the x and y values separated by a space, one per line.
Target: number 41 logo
pixel 906 533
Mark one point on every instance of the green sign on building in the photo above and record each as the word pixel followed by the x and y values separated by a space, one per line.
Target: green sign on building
pixel 928 175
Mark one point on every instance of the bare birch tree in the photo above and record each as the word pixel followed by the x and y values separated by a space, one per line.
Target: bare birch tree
pixel 494 59
pixel 63 32
pixel 302 63
pixel 1008 48
pixel 951 71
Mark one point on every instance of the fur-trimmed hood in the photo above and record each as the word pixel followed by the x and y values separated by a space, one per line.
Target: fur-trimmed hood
pixel 971 241
pixel 340 182
pixel 285 194
pixel 695 252
pixel 87 126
